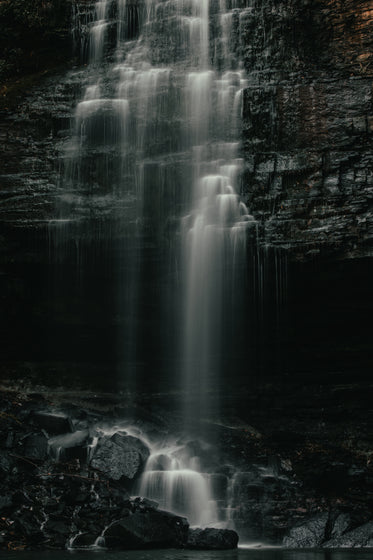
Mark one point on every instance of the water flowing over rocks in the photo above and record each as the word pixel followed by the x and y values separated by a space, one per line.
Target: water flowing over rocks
pixel 49 500
pixel 291 133
pixel 52 499
pixel 306 118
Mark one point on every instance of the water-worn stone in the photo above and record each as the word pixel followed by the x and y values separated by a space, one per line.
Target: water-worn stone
pixel 147 529
pixel 212 539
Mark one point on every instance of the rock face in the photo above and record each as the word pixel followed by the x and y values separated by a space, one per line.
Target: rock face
pixel 35 36
pixel 307 125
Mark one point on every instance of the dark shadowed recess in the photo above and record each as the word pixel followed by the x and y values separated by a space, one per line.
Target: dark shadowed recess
pixel 64 325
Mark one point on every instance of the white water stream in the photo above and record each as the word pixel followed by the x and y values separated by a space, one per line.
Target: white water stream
pixel 159 124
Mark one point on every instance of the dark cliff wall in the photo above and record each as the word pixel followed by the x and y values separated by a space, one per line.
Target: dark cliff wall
pixel 307 143
pixel 308 124
pixel 307 118
pixel 34 37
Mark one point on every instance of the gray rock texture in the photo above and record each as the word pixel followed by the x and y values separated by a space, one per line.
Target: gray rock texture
pixel 307 126
pixel 308 535
pixel 360 537
pixel 120 456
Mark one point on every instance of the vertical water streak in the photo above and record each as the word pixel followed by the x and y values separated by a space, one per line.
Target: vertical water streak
pixel 99 30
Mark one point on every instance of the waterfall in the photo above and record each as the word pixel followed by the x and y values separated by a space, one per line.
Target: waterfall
pixel 156 142
pixel 174 479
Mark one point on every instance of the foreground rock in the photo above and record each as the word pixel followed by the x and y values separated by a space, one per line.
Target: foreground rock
pixel 330 531
pixel 308 535
pixel 52 495
pixel 147 529
pixel 120 456
pixel 212 539
pixel 360 537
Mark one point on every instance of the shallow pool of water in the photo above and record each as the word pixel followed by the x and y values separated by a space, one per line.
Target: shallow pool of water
pixel 242 553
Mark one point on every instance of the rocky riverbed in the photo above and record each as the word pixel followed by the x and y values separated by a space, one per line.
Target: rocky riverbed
pixel 69 468
pixel 65 483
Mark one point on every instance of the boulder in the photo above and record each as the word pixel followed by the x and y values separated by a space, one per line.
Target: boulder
pixel 130 443
pixel 53 422
pixel 120 456
pixel 358 538
pixel 70 446
pixel 147 529
pixel 308 535
pixel 83 540
pixel 58 530
pixel 212 539
pixel 341 525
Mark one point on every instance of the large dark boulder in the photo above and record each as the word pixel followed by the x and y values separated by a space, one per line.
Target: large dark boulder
pixel 212 539
pixel 53 422
pixel 130 443
pixel 120 456
pixel 358 538
pixel 308 535
pixel 147 529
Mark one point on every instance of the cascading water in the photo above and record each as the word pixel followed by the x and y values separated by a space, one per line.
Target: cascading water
pixel 156 141
pixel 172 477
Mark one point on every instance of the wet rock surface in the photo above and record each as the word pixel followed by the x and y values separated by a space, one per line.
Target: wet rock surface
pixel 270 481
pixel 119 456
pixel 148 528
pixel 212 539
pixel 309 535
pixel 316 533
pixel 47 497
pixel 307 126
